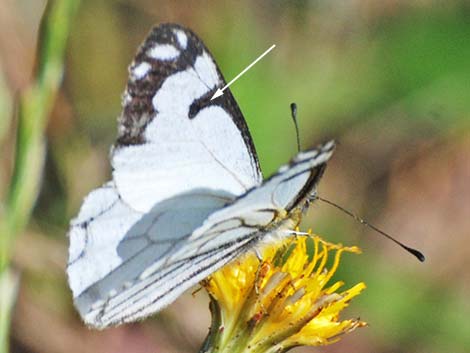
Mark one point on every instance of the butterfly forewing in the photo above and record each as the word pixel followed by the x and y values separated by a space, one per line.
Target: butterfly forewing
pixel 172 137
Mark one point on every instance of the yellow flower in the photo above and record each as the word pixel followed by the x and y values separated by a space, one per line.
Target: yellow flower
pixel 283 302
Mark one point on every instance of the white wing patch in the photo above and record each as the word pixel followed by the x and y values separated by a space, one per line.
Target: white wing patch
pixel 140 71
pixel 182 38
pixel 205 69
pixel 163 52
pixel 95 235
pixel 181 154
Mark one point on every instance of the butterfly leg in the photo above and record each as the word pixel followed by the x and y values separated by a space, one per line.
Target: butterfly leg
pixel 258 270
pixel 259 275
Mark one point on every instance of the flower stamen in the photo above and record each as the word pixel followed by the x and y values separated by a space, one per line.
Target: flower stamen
pixel 281 302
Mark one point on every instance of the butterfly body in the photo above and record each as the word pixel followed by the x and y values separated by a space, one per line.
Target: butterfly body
pixel 187 195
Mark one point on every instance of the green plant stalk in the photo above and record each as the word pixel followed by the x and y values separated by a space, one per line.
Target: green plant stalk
pixel 6 106
pixel 34 107
pixel 9 283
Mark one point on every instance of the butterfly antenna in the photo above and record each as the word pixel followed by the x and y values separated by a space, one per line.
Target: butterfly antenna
pixel 412 251
pixel 293 110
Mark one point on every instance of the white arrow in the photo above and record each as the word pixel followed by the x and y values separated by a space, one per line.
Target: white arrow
pixel 220 91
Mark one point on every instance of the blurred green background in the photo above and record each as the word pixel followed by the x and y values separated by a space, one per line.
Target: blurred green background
pixel 389 80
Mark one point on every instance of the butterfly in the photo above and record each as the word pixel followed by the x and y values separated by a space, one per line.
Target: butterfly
pixel 187 195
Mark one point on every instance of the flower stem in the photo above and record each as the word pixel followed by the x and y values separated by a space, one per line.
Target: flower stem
pixel 210 343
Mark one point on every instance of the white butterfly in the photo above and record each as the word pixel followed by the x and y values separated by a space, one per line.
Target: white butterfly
pixel 187 194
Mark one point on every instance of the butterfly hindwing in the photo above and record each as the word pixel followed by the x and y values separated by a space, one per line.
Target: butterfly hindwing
pixel 112 245
pixel 153 273
pixel 172 138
